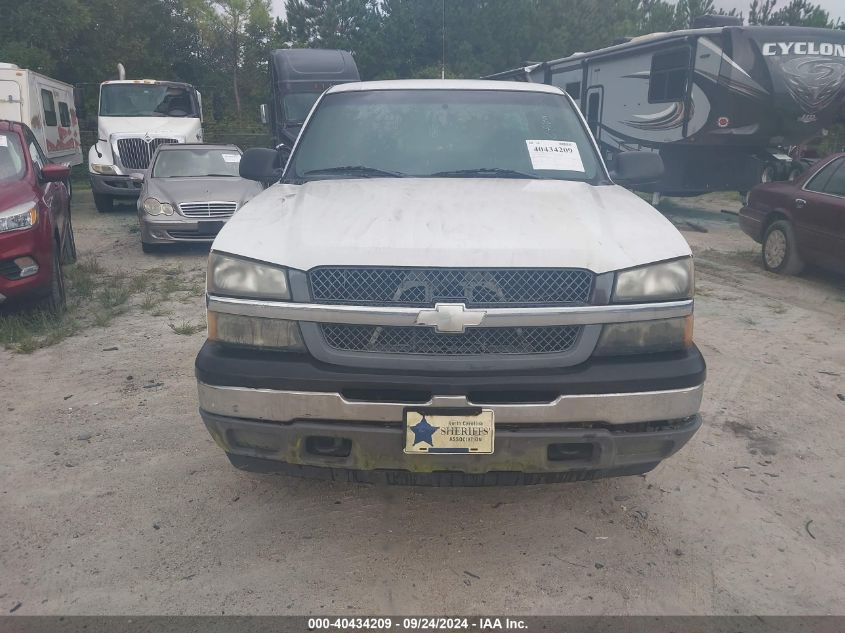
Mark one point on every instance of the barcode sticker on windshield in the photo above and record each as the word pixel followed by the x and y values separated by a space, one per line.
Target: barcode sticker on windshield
pixel 232 158
pixel 554 155
pixel 4 142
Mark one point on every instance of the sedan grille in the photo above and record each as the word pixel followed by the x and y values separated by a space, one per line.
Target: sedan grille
pixel 208 209
pixel 423 340
pixel 424 287
pixel 135 153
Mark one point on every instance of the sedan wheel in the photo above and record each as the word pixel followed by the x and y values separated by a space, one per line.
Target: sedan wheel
pixel 780 252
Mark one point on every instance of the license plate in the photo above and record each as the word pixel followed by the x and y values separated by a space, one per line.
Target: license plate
pixel 440 431
pixel 209 228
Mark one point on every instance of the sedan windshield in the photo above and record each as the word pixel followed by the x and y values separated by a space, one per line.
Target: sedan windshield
pixel 445 133
pixel 196 163
pixel 147 100
pixel 12 163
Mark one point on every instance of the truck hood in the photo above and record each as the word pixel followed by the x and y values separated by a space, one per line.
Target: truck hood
pixel 184 128
pixel 451 222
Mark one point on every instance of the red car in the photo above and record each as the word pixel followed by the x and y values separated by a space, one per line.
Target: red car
pixel 36 234
pixel 802 221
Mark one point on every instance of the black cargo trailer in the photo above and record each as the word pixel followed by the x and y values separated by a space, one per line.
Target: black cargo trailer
pixel 297 77
pixel 711 101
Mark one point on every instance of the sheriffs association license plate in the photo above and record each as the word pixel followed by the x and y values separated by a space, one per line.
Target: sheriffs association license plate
pixel 449 431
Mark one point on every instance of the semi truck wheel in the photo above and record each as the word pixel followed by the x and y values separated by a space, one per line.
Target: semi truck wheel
pixel 103 202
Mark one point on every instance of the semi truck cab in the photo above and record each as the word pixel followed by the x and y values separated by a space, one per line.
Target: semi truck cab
pixel 136 116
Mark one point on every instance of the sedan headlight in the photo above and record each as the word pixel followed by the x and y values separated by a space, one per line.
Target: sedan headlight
pixel 104 170
pixel 22 216
pixel 154 207
pixel 667 281
pixel 237 329
pixel 236 277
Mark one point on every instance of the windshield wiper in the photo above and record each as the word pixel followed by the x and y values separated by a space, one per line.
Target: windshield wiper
pixel 483 172
pixel 357 170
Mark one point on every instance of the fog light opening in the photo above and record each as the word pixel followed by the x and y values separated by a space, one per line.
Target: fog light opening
pixel 27 265
pixel 570 452
pixel 325 446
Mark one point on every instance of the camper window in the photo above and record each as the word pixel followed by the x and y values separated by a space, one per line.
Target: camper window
pixel 573 89
pixel 668 79
pixel 49 108
pixel 64 114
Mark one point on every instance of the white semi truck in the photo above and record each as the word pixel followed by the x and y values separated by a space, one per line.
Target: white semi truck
pixel 135 117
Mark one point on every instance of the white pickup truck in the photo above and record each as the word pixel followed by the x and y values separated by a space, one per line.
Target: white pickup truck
pixel 445 286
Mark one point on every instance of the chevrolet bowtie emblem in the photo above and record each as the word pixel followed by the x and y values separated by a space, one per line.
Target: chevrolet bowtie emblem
pixel 453 318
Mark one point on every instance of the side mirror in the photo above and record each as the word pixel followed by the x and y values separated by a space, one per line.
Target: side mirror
pixel 259 164
pixel 637 168
pixel 137 177
pixel 54 172
pixel 262 112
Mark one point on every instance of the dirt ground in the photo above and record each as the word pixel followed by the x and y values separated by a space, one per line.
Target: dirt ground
pixel 115 500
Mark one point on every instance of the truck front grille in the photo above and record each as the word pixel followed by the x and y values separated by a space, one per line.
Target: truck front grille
pixel 423 340
pixel 424 287
pixel 135 153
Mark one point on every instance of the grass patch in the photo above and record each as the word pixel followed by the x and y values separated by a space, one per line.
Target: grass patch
pixel 95 296
pixel 187 328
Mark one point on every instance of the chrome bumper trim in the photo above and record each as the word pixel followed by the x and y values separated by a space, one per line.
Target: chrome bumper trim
pixel 493 317
pixel 287 406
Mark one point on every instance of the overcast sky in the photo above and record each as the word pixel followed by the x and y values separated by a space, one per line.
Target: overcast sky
pixel 836 8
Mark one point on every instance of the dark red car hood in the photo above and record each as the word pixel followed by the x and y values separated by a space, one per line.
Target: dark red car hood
pixel 15 193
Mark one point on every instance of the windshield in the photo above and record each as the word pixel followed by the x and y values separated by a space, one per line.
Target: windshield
pixel 196 163
pixel 297 105
pixel 147 100
pixel 449 133
pixel 12 163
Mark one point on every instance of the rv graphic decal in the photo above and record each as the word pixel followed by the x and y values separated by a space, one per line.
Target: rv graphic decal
pixel 825 49
pixel 814 82
pixel 671 117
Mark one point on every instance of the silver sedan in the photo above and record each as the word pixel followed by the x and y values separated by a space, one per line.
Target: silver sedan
pixel 189 192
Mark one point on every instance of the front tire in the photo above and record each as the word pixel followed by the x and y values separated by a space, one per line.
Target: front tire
pixel 768 174
pixel 56 301
pixel 780 249
pixel 103 202
pixel 69 244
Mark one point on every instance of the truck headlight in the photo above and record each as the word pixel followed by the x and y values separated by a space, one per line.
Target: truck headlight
pixel 104 170
pixel 22 216
pixel 645 337
pixel 667 281
pixel 154 207
pixel 237 329
pixel 236 277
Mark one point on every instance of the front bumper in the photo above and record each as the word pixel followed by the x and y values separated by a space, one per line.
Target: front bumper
pixel 611 416
pixel 121 186
pixel 36 243
pixel 178 229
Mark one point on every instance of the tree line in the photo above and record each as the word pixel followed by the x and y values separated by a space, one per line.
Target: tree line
pixel 222 46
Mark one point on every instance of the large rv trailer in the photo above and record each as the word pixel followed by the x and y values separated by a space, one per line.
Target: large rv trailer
pixel 46 106
pixel 710 100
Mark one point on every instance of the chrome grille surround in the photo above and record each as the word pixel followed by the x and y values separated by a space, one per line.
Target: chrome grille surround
pixel 474 341
pixel 211 209
pixel 135 152
pixel 424 287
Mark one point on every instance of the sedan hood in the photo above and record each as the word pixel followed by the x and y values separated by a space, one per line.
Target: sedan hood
pixel 216 189
pixel 14 193
pixel 451 222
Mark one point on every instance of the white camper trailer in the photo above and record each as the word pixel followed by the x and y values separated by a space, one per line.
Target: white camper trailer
pixel 46 106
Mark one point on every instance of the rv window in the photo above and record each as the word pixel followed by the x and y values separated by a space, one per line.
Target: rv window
pixel 573 89
pixel 49 108
pixel 593 102
pixel 668 79
pixel 64 114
